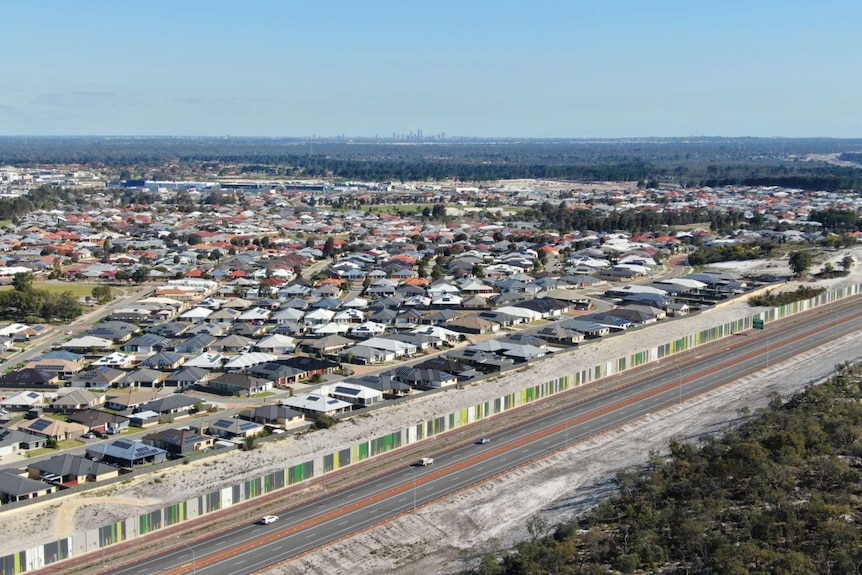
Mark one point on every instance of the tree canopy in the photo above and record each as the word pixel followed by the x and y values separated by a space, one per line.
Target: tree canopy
pixel 779 495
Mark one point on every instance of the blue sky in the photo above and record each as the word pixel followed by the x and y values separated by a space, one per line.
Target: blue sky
pixel 486 68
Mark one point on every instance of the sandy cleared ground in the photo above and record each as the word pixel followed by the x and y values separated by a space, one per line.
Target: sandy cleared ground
pixel 492 514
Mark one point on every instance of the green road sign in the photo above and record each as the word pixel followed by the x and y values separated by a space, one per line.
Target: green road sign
pixel 757 324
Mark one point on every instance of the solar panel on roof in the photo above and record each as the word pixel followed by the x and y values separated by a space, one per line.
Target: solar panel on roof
pixel 223 423
pixel 145 451
pixel 41 424
pixel 123 444
pixel 247 426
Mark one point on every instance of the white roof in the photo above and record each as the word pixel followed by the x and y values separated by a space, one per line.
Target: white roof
pixel 636 288
pixel 88 341
pixel 13 328
pixel 388 344
pixel 687 283
pixel 116 358
pixel 206 360
pixel 349 314
pixel 436 331
pixel 330 328
pixel 25 398
pixel 276 340
pixel 197 312
pixel 249 359
pixel 369 327
pixel 520 312
pixel 320 314
pixel 255 313
pixel 315 402
pixel 353 390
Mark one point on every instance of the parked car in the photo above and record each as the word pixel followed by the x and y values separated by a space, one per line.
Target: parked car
pixel 88 435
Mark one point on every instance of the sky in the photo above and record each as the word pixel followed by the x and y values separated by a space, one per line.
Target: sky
pixel 471 68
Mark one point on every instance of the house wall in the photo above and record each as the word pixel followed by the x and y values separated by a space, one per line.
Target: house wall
pixel 91 540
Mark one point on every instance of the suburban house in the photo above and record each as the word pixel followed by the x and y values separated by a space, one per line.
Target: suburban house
pixel 364 355
pixel 101 377
pixel 77 400
pixel 99 421
pixel 171 405
pixel 126 453
pixel 67 470
pixel 143 377
pixel 30 378
pixel 186 377
pixel 179 442
pixel 15 487
pixel 24 401
pixel 558 334
pixel 146 343
pixel 398 348
pixel 116 359
pixel 425 378
pixel 277 344
pixel 274 416
pixel 116 331
pixel 385 383
pixel 315 405
pixel 14 440
pixel 88 343
pixel 281 375
pixel 327 345
pixel 131 399
pixel 473 324
pixel 239 384
pixel 358 395
pixel 53 429
pixel 234 428
pixel 164 360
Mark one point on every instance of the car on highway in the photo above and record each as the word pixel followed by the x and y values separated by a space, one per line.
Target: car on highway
pixel 483 441
pixel 267 519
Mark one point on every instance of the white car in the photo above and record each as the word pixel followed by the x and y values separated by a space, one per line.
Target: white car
pixel 267 519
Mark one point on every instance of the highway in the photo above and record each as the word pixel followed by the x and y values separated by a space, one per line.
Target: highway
pixel 337 514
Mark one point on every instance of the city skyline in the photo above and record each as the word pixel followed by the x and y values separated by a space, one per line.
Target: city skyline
pixel 479 69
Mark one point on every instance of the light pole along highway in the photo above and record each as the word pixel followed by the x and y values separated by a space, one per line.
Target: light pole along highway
pixel 340 513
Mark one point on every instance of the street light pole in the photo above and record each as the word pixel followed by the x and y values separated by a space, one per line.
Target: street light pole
pixel 413 469
pixel 567 433
pixel 194 564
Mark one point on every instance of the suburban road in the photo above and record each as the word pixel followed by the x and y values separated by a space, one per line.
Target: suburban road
pixel 340 513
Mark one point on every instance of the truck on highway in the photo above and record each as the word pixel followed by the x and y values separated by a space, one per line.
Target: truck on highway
pixel 426 461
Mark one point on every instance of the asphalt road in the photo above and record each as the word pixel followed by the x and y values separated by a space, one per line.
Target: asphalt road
pixel 340 513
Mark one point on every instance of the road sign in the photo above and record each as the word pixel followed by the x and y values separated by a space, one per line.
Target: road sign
pixel 757 324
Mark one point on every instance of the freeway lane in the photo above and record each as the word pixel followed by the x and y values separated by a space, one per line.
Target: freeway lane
pixel 340 513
